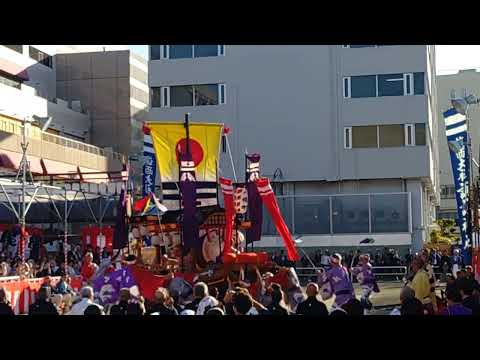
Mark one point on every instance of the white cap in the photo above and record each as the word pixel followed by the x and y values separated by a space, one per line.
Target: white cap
pixel 187 312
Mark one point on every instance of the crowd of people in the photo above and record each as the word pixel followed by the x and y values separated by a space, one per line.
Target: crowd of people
pixel 248 291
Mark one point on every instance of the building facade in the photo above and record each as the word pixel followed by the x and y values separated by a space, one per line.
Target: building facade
pixel 347 134
pixel 112 88
pixel 449 86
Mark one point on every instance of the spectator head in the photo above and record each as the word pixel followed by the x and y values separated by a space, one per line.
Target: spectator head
pixel 88 257
pixel 161 295
pixel 465 287
pixel 213 291
pixel 93 310
pixel 450 279
pixel 276 293
pixel 353 307
pixel 412 307
pixel 338 312
pixel 417 263
pixel 215 311
pixel 469 270
pixel 364 258
pixel 124 295
pixel 200 290
pixel 3 296
pixel 242 303
pixel 406 293
pixel 87 292
pixel 461 274
pixel 135 309
pixel 43 293
pixel 187 312
pixel 336 259
pixel 312 289
pixel 454 296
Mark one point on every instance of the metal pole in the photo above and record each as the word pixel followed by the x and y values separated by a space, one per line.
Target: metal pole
pixel 65 234
pixel 24 179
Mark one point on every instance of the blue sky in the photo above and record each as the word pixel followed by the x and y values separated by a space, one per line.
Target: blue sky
pixel 450 58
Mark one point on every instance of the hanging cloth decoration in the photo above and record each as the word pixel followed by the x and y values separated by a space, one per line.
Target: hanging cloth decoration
pixel 268 198
pixel 255 209
pixel 227 190
pixel 188 191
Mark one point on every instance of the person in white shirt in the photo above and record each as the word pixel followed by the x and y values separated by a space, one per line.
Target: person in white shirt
pixel 201 291
pixel 87 300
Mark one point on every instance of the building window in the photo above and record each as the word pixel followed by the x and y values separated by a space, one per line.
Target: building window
pixel 9 80
pixel 40 56
pixel 180 51
pixel 193 95
pixel 347 137
pixel 391 135
pixel 154 52
pixel 419 83
pixel 364 137
pixel 346 87
pixel 156 97
pixel 205 50
pixel 181 95
pixel 363 86
pixel 206 94
pixel 384 85
pixel 390 85
pixel 360 46
pixel 420 134
pixel 448 192
pixel 189 51
pixel 17 48
pixel 409 135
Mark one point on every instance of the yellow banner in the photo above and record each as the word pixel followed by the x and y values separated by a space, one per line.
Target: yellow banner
pixel 170 138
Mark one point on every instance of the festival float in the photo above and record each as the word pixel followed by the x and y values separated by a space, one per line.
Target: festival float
pixel 184 233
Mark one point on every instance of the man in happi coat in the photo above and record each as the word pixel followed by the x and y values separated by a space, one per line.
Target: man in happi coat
pixel 366 278
pixel 336 281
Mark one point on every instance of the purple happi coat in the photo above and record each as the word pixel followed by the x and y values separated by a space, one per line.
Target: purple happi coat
pixel 340 283
pixel 365 276
pixel 107 287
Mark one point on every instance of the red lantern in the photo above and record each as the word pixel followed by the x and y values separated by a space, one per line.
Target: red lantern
pixel 226 130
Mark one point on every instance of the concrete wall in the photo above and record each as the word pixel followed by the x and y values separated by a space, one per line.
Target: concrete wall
pixel 101 82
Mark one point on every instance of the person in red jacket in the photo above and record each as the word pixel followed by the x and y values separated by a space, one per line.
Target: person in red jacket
pixel 89 268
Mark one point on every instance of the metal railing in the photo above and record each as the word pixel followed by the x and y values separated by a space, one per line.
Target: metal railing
pixel 382 273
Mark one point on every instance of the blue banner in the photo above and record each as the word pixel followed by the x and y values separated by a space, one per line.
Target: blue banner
pixel 456 131
pixel 149 166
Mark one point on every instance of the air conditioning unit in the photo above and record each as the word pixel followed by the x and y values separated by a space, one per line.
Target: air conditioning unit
pixel 76 105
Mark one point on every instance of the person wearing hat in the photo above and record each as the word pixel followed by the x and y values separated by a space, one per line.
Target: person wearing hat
pixel 338 280
pixel 366 278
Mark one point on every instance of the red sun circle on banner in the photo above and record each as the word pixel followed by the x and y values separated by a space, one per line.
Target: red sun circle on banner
pixel 195 149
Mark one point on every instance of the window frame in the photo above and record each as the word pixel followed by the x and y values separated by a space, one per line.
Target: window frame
pixel 165 96
pixel 347 87
pixel 412 133
pixel 220 50
pixel 408 79
pixel 347 137
pixel 222 100
pixel 164 52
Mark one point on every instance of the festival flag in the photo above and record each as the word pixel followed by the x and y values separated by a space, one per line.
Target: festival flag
pixel 456 131
pixel 107 287
pixel 169 140
pixel 120 236
pixel 142 204
pixel 150 164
